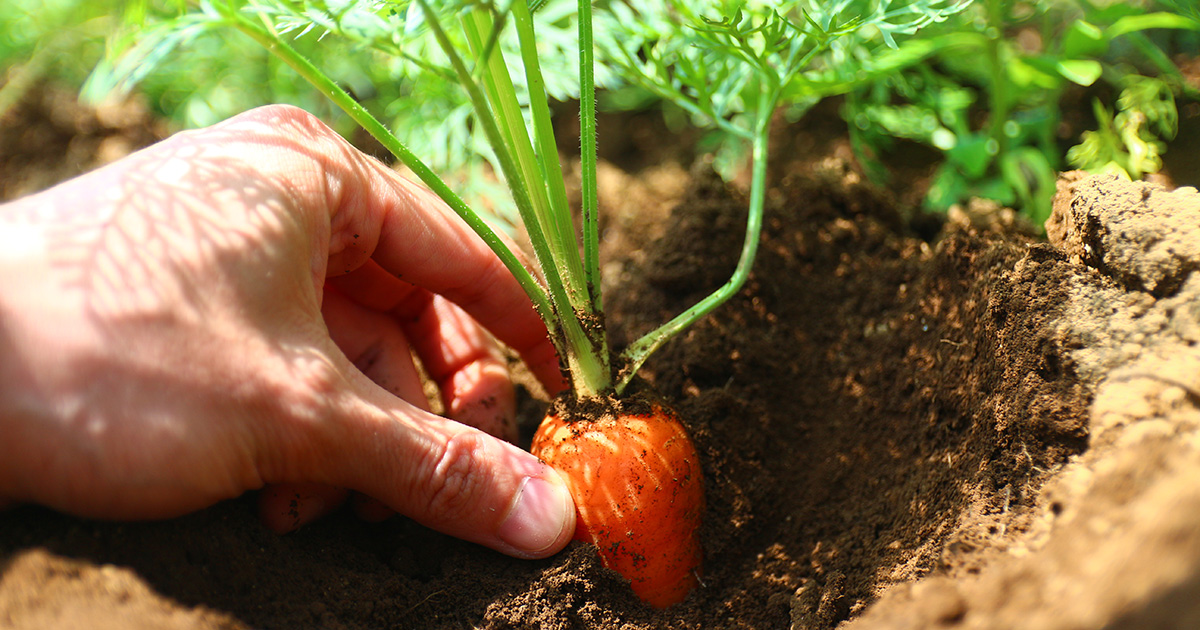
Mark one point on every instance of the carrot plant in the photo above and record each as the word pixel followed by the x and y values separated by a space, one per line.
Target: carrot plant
pixel 633 471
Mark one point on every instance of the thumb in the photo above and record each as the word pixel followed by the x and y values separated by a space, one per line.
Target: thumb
pixel 450 477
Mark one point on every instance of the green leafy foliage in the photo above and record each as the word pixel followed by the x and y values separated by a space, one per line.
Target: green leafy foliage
pixel 990 100
pixel 710 59
pixel 706 58
pixel 1131 141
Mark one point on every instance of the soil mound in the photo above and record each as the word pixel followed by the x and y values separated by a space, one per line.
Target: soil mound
pixel 1114 538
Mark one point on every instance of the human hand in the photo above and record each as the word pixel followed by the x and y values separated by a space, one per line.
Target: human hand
pixel 235 307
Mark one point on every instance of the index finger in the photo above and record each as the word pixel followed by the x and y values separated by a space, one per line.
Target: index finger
pixel 374 214
pixel 423 243
pixel 374 287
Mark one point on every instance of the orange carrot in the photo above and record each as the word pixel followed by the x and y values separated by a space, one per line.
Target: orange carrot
pixel 636 481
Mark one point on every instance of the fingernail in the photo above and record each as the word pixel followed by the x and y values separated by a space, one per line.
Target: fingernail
pixel 540 513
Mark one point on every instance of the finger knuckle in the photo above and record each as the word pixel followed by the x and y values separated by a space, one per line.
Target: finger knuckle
pixel 460 476
pixel 283 114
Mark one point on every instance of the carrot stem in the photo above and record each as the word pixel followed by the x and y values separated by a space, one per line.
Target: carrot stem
pixel 587 155
pixel 637 352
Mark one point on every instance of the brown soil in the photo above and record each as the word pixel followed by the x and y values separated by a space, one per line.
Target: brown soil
pixel 49 136
pixel 979 430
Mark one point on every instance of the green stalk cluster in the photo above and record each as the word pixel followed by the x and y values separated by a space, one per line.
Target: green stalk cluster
pixel 570 302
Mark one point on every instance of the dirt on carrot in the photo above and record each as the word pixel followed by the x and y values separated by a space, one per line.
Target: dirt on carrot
pixel 635 476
